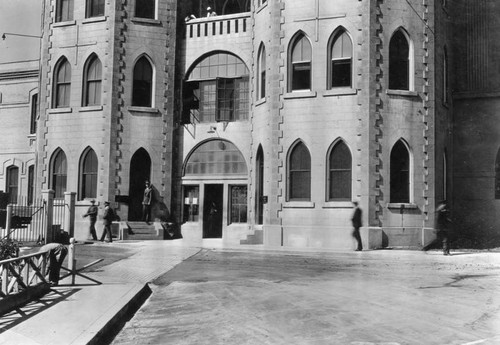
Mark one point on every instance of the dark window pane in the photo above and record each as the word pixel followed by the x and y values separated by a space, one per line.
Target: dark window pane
pixel 340 173
pixel 400 174
pixel 399 62
pixel 301 76
pixel 300 173
pixel 341 73
pixel 13 183
pixel 143 83
pixel 95 8
pixel 238 204
pixel 145 9
pixel 59 171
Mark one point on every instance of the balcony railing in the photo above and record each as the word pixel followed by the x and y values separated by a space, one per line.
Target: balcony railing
pixel 218 25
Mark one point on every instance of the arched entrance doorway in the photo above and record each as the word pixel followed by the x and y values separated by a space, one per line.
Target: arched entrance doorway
pixel 140 171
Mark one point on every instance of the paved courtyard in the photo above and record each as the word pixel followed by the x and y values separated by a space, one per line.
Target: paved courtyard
pixel 275 297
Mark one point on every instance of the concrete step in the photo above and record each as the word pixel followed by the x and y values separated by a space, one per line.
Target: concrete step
pixel 144 231
pixel 256 238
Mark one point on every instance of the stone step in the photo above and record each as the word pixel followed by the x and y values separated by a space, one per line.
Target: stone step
pixel 256 238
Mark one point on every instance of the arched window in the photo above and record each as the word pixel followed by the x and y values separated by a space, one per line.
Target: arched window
pixel 34 113
pixel 64 10
pixel 341 60
pixel 261 71
pixel 399 62
pixel 299 173
pixel 95 8
pixel 216 157
pixel 340 173
pixel 31 184
pixel 143 83
pixel 88 175
pixel 235 6
pixel 497 176
pixel 400 173
pixel 59 174
pixel 62 84
pixel 300 64
pixel 92 82
pixel 145 9
pixel 13 183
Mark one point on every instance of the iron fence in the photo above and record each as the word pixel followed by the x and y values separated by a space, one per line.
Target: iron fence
pixel 27 220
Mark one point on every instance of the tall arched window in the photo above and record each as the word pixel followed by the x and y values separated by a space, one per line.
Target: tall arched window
pixel 497 176
pixel 299 173
pixel 300 64
pixel 400 173
pixel 92 82
pixel 399 62
pixel 31 184
pixel 143 83
pixel 13 183
pixel 145 9
pixel 261 71
pixel 59 174
pixel 341 60
pixel 64 10
pixel 340 173
pixel 62 84
pixel 88 175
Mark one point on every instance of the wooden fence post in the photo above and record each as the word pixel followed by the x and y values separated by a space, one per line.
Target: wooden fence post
pixel 72 260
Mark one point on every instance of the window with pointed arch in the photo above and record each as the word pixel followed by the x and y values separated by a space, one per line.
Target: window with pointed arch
pixel 31 184
pixel 145 9
pixel 88 175
pixel 92 82
pixel 340 61
pixel 95 8
pixel 400 173
pixel 300 58
pixel 261 72
pixel 299 173
pixel 497 176
pixel 62 84
pixel 399 61
pixel 59 170
pixel 142 90
pixel 340 173
pixel 13 183
pixel 64 10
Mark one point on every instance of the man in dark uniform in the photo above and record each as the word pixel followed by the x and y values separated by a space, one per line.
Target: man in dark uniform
pixel 356 223
pixel 109 216
pixel 92 214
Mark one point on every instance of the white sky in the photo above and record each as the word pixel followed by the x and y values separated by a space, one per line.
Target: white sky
pixel 20 17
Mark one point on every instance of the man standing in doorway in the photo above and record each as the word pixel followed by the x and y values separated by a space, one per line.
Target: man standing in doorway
pixel 356 223
pixel 92 214
pixel 146 202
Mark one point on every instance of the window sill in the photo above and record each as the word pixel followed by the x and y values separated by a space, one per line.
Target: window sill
pixel 341 91
pixel 399 205
pixel 260 101
pixel 62 24
pixel 299 204
pixel 402 93
pixel 60 110
pixel 94 19
pixel 90 108
pixel 261 7
pixel 146 21
pixel 144 110
pixel 300 94
pixel 338 204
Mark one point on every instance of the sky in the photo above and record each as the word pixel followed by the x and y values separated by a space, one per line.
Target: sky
pixel 20 17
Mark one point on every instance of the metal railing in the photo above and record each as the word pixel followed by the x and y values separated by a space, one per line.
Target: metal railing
pixel 26 222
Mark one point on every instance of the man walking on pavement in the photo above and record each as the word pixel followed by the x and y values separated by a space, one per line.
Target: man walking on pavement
pixel 109 216
pixel 92 214
pixel 356 223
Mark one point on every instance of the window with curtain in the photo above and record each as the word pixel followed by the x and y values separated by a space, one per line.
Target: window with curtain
pixel 341 61
pixel 62 84
pixel 88 175
pixel 340 173
pixel 299 173
pixel 399 62
pixel 300 60
pixel 145 9
pixel 261 71
pixel 59 174
pixel 95 8
pixel 13 183
pixel 191 203
pixel 142 90
pixel 92 82
pixel 64 10
pixel 400 174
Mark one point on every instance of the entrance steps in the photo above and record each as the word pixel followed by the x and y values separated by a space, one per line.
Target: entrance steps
pixel 144 231
pixel 256 238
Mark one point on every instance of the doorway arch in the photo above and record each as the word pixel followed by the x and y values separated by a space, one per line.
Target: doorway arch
pixel 140 171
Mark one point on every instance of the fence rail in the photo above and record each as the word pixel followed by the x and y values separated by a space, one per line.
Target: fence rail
pixel 19 274
pixel 25 221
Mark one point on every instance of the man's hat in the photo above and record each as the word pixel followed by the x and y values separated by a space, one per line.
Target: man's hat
pixel 106 203
pixel 92 201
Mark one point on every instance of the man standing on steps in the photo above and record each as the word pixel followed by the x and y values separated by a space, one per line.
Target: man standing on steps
pixel 146 202
pixel 356 223
pixel 109 216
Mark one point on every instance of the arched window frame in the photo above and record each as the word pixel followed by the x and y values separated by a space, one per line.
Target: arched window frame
pixel 64 10
pixel 147 9
pixel 401 175
pixel 261 72
pixel 343 173
pixel 12 183
pixel 62 84
pixel 92 83
pixel 88 174
pixel 299 177
pixel 300 67
pixel 345 59
pixel 59 173
pixel 136 102
pixel 393 73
